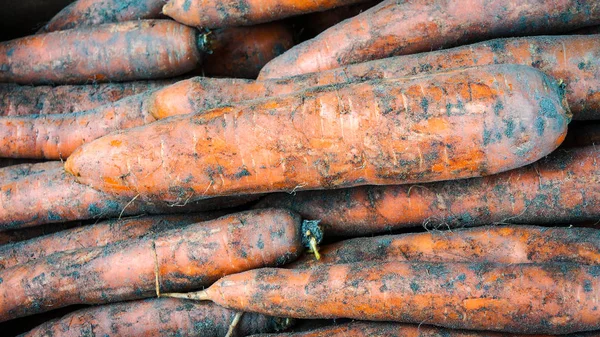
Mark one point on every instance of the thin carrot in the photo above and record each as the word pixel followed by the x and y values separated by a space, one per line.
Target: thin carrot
pixel 500 244
pixel 95 235
pixel 112 52
pixel 556 298
pixel 557 189
pixel 54 196
pixel 407 27
pixel 16 172
pixel 156 318
pixel 232 13
pixel 378 132
pixel 83 13
pixel 174 260
pixel 16 100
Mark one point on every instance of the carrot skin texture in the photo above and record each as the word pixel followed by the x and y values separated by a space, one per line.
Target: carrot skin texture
pixel 54 196
pixel 557 189
pixel 498 244
pixel 186 258
pixel 16 172
pixel 231 13
pixel 518 298
pixel 16 100
pixel 95 235
pixel 83 13
pixel 102 53
pixel 407 27
pixel 153 318
pixel 241 52
pixel 340 136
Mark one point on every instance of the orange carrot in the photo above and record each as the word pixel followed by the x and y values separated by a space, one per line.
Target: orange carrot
pixel 53 196
pixel 556 298
pixel 557 189
pixel 16 172
pixel 95 235
pixel 83 13
pixel 174 260
pixel 16 100
pixel 112 52
pixel 407 27
pixel 379 132
pixel 231 13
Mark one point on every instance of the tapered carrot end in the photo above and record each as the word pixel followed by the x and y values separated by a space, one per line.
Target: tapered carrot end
pixel 196 296
pixel 312 236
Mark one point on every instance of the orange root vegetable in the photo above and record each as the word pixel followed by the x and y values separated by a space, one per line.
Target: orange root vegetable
pixel 583 134
pixel 54 196
pixel 379 132
pixel 174 260
pixel 83 13
pixel 557 189
pixel 156 318
pixel 231 13
pixel 500 244
pixel 16 100
pixel 112 52
pixel 241 52
pixel 16 172
pixel 389 329
pixel 96 235
pixel 555 298
pixel 407 27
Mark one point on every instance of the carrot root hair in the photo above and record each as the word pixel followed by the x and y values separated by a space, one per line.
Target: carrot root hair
pixel 201 295
pixel 312 236
pixel 234 323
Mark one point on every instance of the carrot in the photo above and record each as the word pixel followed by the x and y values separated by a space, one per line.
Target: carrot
pixel 103 53
pixel 156 317
pixel 95 235
pixel 16 100
pixel 16 172
pixel 83 13
pixel 557 189
pixel 9 237
pixel 54 196
pixel 178 259
pixel 231 13
pixel 6 162
pixel 555 298
pixel 242 51
pixel 583 134
pixel 389 329
pixel 407 27
pixel 378 132
pixel 500 244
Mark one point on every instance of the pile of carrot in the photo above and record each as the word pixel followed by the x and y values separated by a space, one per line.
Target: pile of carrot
pixel 300 168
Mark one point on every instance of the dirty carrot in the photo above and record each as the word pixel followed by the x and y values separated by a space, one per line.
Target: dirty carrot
pixel 15 172
pixel 95 235
pixel 54 196
pixel 83 13
pixel 16 100
pixel 125 51
pixel 390 329
pixel 407 27
pixel 241 52
pixel 174 260
pixel 557 189
pixel 378 132
pixel 500 244
pixel 231 13
pixel 554 298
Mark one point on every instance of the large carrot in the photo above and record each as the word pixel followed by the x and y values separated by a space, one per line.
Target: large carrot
pixel 389 329
pixel 95 235
pixel 378 132
pixel 501 244
pixel 557 189
pixel 156 318
pixel 16 172
pixel 554 298
pixel 407 27
pixel 231 13
pixel 16 100
pixel 54 196
pixel 241 52
pixel 83 13
pixel 178 259
pixel 112 52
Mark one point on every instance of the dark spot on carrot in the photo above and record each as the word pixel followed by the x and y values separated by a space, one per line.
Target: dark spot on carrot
pixel 53 216
pixel 587 286
pixel 487 137
pixel 540 125
pixel 242 173
pixel 425 104
pixel 498 107
pixel 186 5
pixel 498 45
pixel 509 128
pixel 10 52
pixel 94 210
pixel 414 287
